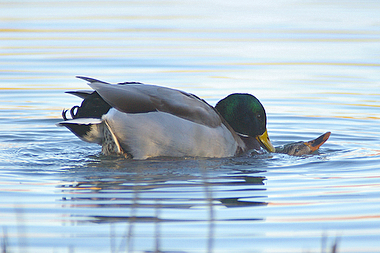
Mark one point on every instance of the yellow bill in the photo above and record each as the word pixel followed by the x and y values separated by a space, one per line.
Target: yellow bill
pixel 264 140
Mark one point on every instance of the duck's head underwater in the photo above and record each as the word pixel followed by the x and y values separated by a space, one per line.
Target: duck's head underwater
pixel 142 121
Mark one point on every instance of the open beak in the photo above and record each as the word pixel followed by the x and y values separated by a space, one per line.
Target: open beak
pixel 316 143
pixel 265 142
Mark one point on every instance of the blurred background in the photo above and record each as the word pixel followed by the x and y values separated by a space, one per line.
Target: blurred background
pixel 313 64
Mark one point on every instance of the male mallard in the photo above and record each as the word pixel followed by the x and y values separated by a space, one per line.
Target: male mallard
pixel 143 121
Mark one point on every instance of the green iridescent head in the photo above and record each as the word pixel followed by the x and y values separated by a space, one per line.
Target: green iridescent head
pixel 246 115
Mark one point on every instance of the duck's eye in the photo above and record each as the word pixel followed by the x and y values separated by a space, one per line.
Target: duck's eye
pixel 259 115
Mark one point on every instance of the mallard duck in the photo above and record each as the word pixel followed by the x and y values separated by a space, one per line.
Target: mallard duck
pixel 303 148
pixel 143 121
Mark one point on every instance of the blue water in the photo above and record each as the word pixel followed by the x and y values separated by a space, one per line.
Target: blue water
pixel 314 65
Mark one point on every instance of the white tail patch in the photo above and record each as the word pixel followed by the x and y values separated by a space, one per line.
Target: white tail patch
pixel 80 121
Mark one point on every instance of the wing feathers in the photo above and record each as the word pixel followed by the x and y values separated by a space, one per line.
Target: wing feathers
pixel 81 93
pixel 90 80
pixel 125 98
pixel 140 98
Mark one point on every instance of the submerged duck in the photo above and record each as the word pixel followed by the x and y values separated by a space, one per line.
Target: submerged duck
pixel 142 121
pixel 303 148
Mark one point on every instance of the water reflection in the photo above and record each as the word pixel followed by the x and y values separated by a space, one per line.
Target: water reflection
pixel 160 193
pixel 178 184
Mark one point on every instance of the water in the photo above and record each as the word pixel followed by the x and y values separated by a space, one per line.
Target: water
pixel 313 64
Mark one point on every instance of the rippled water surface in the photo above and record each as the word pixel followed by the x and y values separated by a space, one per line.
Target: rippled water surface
pixel 315 65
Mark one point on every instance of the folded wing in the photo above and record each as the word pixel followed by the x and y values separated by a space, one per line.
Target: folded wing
pixel 141 98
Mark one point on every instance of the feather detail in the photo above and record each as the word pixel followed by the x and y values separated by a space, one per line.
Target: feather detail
pixel 148 98
pixel 156 134
pixel 110 144
pixel 81 93
pixel 87 129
